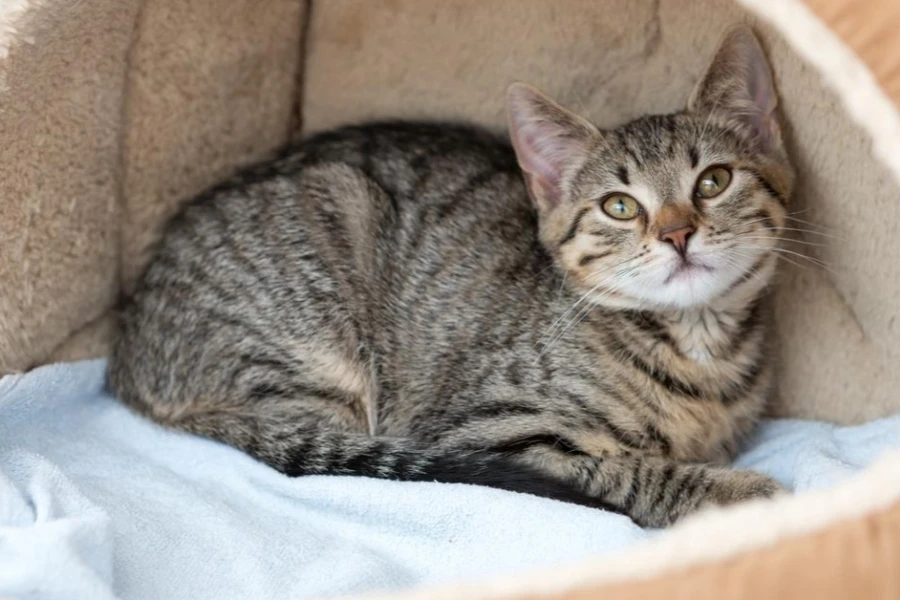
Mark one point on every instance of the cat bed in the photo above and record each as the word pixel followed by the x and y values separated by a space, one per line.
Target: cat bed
pixel 100 503
pixel 112 112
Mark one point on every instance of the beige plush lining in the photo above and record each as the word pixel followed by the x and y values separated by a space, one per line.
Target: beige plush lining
pixel 843 70
pixel 112 114
pixel 62 73
pixel 211 88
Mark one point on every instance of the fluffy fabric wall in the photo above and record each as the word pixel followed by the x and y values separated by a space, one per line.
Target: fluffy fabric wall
pixel 616 60
pixel 211 86
pixel 112 112
pixel 62 75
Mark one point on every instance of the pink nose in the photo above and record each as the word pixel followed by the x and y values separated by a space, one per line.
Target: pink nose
pixel 678 236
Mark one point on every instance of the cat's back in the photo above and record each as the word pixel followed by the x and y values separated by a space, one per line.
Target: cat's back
pixel 388 150
pixel 426 181
pixel 418 162
pixel 329 241
pixel 467 172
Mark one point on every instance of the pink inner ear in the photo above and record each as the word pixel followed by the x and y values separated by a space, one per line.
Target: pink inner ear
pixel 547 140
pixel 536 153
pixel 738 86
pixel 758 89
pixel 762 90
pixel 762 95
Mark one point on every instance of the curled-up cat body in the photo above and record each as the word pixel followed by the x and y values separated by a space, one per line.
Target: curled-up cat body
pixel 581 315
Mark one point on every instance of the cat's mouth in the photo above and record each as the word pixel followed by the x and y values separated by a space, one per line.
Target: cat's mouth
pixel 685 269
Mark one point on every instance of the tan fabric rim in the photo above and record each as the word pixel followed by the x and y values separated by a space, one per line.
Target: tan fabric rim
pixel 872 29
pixel 854 559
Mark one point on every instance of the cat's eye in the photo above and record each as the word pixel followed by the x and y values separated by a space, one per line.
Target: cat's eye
pixel 712 182
pixel 621 206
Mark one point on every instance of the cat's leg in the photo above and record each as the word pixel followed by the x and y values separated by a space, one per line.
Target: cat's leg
pixel 314 435
pixel 656 491
pixel 303 420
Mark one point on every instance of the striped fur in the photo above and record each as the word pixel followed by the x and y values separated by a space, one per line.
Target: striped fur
pixel 395 300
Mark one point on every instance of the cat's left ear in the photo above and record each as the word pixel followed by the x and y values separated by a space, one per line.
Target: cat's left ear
pixel 549 142
pixel 738 88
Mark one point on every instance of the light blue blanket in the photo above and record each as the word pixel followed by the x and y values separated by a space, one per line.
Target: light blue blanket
pixel 98 503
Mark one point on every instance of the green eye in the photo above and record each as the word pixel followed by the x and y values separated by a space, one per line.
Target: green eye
pixel 622 207
pixel 712 182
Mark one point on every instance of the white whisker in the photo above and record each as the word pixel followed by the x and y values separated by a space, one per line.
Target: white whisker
pixel 559 319
pixel 618 281
pixel 782 251
pixel 782 239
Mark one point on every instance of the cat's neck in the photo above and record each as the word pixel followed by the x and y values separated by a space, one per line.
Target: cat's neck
pixel 700 333
pixel 708 332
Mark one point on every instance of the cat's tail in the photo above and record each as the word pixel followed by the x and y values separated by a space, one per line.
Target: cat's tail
pixel 338 453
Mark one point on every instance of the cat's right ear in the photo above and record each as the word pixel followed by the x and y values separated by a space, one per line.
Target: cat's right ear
pixel 738 88
pixel 549 142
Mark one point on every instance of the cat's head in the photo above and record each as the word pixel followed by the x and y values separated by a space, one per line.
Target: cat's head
pixel 669 211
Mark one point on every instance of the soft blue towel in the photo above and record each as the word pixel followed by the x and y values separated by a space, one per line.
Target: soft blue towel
pixel 98 503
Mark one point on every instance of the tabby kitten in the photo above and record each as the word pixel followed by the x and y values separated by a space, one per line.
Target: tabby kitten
pixel 581 316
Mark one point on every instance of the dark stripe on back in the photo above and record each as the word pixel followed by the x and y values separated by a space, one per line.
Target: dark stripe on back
pixel 458 197
pixel 420 166
pixel 490 411
pixel 519 445
pixel 367 152
pixel 597 417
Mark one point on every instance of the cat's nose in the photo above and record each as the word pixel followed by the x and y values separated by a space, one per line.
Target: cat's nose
pixel 678 236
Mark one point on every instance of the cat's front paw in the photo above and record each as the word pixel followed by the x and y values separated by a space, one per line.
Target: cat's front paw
pixel 704 487
pixel 732 486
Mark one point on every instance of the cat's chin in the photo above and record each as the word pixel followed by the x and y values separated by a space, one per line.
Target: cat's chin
pixel 681 287
pixel 694 289
pixel 707 279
